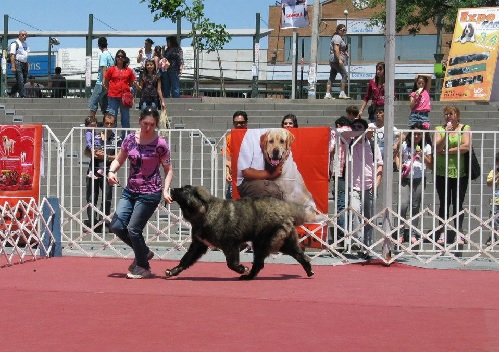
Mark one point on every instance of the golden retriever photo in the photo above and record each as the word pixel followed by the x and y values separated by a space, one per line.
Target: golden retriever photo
pixel 276 149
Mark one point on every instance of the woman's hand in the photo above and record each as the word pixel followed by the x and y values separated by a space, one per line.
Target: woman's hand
pixel 167 196
pixel 112 178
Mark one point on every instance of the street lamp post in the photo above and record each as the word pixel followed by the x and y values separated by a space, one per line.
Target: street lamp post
pixel 348 50
pixel 52 41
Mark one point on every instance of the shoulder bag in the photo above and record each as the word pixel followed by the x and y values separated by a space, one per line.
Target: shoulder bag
pixel 472 169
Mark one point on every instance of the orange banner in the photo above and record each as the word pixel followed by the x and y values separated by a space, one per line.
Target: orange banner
pixel 471 66
pixel 305 160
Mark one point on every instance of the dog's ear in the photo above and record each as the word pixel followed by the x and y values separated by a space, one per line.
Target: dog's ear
pixel 290 138
pixel 202 193
pixel 263 140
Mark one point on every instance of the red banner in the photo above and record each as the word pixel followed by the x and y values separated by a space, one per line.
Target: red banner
pixel 20 155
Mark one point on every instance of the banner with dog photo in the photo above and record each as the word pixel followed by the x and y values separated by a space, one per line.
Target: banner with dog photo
pixel 289 164
pixel 20 157
pixel 471 73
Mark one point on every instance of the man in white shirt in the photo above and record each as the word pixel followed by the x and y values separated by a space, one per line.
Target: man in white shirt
pixel 18 52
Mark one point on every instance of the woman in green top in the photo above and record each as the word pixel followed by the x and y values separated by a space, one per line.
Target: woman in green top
pixel 451 180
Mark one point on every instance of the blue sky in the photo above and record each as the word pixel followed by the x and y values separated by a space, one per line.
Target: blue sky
pixel 72 15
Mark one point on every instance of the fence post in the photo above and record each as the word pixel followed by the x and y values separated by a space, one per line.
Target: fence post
pixel 54 225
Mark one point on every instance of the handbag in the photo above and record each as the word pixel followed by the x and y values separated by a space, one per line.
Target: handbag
pixel 127 99
pixel 475 170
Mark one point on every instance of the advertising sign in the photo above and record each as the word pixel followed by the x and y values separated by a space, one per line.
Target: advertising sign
pixel 294 14
pixel 471 67
pixel 301 155
pixel 20 157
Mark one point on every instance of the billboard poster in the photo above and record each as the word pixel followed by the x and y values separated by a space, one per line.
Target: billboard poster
pixel 20 157
pixel 471 66
pixel 302 154
pixel 294 14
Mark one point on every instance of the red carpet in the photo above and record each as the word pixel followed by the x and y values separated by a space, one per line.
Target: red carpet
pixel 86 304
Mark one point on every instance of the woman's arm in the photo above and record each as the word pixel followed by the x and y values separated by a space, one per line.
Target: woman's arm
pixel 167 167
pixel 160 93
pixel 112 177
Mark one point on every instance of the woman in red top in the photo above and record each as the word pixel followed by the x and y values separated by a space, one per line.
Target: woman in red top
pixel 119 78
pixel 375 91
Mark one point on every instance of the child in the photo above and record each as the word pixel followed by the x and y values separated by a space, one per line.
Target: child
pixel 150 85
pixel 93 141
pixel 494 202
pixel 416 158
pixel 420 100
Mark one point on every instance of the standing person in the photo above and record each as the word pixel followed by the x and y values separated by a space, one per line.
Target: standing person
pixel 146 152
pixel 420 100
pixel 289 121
pixel 416 159
pixel 58 84
pixel 239 121
pixel 364 177
pixel 18 52
pixel 150 86
pixel 380 132
pixel 157 57
pixel 451 181
pixel 99 94
pixel 119 78
pixel 337 158
pixel 170 81
pixel 493 181
pixel 375 92
pixel 338 56
pixel 145 53
pixel 102 151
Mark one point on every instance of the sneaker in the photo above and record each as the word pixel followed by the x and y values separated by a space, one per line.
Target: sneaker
pixel 328 96
pixel 343 96
pixel 132 266
pixel 139 273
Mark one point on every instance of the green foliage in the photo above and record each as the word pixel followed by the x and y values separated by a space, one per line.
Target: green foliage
pixel 206 35
pixel 416 14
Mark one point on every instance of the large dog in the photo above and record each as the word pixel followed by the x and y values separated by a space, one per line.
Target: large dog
pixel 226 224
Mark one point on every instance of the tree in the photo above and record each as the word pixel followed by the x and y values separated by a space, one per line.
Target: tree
pixel 205 34
pixel 416 14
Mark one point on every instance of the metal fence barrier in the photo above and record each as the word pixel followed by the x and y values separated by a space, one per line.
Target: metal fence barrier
pixel 198 160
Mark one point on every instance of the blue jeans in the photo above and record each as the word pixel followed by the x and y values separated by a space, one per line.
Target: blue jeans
pixel 144 105
pixel 418 117
pixel 21 77
pixel 131 216
pixel 170 83
pixel 99 96
pixel 112 108
pixel 340 205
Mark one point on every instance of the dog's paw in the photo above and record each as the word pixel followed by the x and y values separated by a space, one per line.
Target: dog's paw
pixel 172 272
pixel 246 277
pixel 310 273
